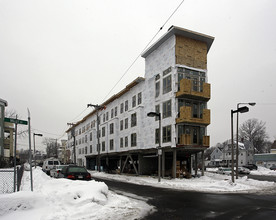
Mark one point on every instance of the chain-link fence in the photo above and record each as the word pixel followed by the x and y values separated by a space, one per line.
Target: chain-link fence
pixel 7 182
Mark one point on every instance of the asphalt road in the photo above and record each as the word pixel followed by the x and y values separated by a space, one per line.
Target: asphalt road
pixel 178 204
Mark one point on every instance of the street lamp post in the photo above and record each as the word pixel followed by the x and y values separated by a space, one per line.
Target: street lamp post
pixel 97 108
pixel 155 114
pixel 237 137
pixel 34 146
pixel 241 110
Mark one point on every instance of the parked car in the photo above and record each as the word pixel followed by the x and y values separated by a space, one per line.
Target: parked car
pixel 56 171
pixel 74 172
pixel 243 170
pixel 273 167
pixel 251 166
pixel 224 170
pixel 49 163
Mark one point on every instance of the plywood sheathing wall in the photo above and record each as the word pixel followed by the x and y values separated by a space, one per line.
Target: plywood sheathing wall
pixel 190 52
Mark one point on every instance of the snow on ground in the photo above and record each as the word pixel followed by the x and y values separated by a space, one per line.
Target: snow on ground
pixel 66 199
pixel 263 172
pixel 211 182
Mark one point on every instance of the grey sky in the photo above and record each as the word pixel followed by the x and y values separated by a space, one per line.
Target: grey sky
pixel 57 56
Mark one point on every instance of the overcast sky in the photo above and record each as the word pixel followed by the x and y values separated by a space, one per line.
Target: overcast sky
pixel 56 56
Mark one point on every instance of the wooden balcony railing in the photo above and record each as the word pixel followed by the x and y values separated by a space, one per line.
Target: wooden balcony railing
pixel 185 139
pixel 187 90
pixel 185 116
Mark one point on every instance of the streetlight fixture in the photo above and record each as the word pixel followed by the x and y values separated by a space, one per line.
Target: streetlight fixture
pixel 97 108
pixel 241 110
pixel 237 138
pixel 34 147
pixel 158 115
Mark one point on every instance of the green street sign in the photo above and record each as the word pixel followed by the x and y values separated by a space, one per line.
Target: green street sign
pixel 16 121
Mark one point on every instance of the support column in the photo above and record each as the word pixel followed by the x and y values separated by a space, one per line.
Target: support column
pixel 163 163
pixel 196 164
pixel 174 164
pixel 202 162
pixel 139 163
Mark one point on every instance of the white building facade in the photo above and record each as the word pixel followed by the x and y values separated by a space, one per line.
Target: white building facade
pixel 175 85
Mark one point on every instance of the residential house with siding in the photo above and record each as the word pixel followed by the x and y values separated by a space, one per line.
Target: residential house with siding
pixel 174 85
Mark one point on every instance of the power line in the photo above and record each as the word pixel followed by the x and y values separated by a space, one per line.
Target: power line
pixel 143 50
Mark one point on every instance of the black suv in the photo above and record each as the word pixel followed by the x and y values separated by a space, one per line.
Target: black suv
pixel 74 172
pixel 251 166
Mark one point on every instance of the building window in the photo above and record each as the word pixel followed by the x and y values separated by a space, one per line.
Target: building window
pixel 79 151
pixel 167 109
pixel 90 136
pixel 115 111
pixel 90 149
pixel 85 138
pixel 111 144
pixel 133 140
pixel 133 101
pixel 111 128
pixel 103 132
pixel 167 84
pixel 103 146
pixel 106 116
pixel 126 141
pixel 157 89
pixel 126 105
pixel 139 98
pixel 121 142
pixel 122 108
pixel 85 150
pixel 167 71
pixel 167 134
pixel 133 120
pixel 82 151
pixel 126 123
pixel 112 113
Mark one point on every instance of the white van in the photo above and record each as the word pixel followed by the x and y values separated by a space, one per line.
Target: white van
pixel 49 163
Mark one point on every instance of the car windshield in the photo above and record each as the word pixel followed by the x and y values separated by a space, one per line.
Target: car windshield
pixel 77 169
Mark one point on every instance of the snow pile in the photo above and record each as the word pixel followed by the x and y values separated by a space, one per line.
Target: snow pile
pixel 211 182
pixel 263 172
pixel 67 199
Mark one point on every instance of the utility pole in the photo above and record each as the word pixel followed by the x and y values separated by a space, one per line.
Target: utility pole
pixel 74 140
pixel 30 149
pixel 97 108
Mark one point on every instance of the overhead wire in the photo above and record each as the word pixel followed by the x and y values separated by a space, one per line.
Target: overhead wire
pixel 143 50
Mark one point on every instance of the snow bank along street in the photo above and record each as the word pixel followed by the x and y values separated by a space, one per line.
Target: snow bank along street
pixel 66 199
pixel 211 182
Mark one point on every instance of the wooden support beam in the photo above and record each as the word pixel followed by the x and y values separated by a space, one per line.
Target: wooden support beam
pixel 174 164
pixel 133 165
pixel 202 162
pixel 125 164
pixel 196 164
pixel 163 163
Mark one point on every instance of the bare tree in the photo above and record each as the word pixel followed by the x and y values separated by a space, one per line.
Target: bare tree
pixel 52 147
pixel 254 131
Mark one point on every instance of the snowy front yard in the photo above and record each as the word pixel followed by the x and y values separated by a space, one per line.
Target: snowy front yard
pixel 65 199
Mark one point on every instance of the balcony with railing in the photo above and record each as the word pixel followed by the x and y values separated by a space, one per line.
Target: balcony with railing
pixel 186 139
pixel 185 116
pixel 194 90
